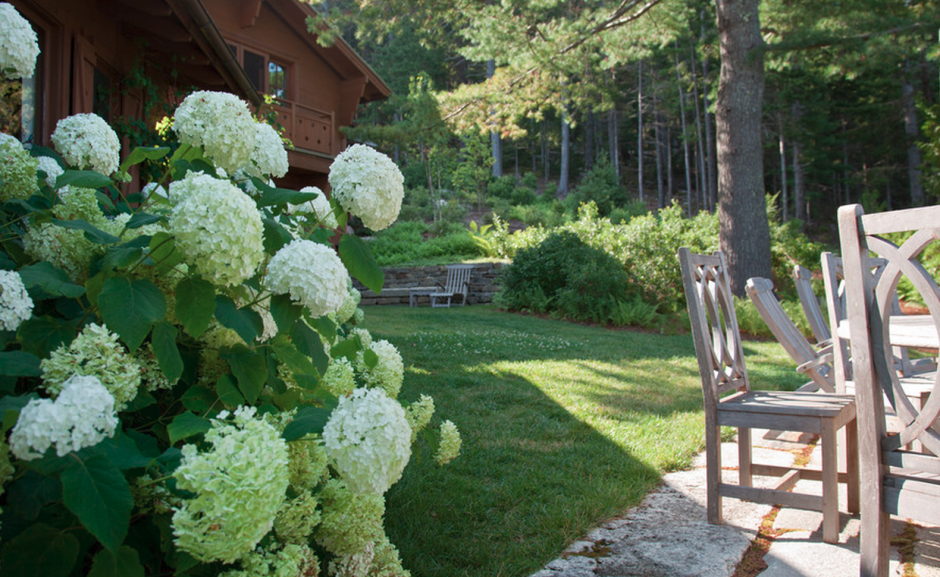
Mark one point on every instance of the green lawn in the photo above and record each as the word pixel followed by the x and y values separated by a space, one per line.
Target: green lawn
pixel 563 426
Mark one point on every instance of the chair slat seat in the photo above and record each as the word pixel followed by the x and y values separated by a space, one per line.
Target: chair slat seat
pixel 791 403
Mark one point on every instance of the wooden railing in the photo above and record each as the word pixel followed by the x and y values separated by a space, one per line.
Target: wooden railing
pixel 308 128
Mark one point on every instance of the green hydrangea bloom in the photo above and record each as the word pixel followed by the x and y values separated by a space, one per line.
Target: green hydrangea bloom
pixel 339 378
pixel 240 483
pixel 386 561
pixel 95 352
pixel 449 447
pixel 307 464
pixel 388 373
pixel 6 467
pixel 350 521
pixel 291 560
pixel 17 171
pixel 297 519
pixel 419 414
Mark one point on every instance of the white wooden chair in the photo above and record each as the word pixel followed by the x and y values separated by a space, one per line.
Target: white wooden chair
pixel 897 481
pixel 730 401
pixel 814 363
pixel 456 284
pixel 802 278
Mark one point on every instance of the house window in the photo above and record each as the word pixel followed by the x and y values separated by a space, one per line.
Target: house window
pixel 268 75
pixel 20 102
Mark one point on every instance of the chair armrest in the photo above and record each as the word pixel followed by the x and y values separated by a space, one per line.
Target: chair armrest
pixel 815 363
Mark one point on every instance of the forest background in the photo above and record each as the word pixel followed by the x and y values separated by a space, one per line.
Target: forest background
pixel 843 98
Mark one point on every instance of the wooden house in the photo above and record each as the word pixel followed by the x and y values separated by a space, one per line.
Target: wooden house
pixel 131 59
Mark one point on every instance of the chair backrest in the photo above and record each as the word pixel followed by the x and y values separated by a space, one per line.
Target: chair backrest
pixel 834 281
pixel 809 361
pixel 458 278
pixel 714 325
pixel 892 476
pixel 803 279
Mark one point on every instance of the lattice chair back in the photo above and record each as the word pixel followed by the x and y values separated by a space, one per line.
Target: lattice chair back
pixel 714 324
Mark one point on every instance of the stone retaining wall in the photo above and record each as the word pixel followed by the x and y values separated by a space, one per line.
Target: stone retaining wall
pixel 400 280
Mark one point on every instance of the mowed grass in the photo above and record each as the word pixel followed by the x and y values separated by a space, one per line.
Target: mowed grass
pixel 563 426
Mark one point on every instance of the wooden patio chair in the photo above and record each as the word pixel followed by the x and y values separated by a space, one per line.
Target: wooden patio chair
pixel 897 481
pixel 812 362
pixel 730 401
pixel 457 283
pixel 802 278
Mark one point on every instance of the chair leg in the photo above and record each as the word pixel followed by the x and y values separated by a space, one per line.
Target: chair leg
pixel 713 472
pixel 851 466
pixel 830 482
pixel 745 474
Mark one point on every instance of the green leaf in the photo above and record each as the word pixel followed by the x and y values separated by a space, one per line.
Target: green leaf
pixel 82 179
pixel 120 450
pixel 53 280
pixel 92 233
pixel 325 326
pixel 244 321
pixel 10 407
pixel 274 196
pixel 119 257
pixel 163 252
pixel 187 425
pixel 275 235
pixel 347 348
pixel 19 364
pixel 43 335
pixel 40 550
pixel 249 368
pixel 308 342
pixel 125 564
pixel 97 492
pixel 20 206
pixel 370 358
pixel 141 401
pixel 142 153
pixel 285 312
pixel 195 304
pixel 360 263
pixel 296 361
pixel 142 218
pixel 227 389
pixel 309 420
pixel 94 284
pixel 166 351
pixel 130 308
pixel 198 399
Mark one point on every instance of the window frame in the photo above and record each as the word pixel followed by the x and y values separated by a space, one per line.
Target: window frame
pixel 238 50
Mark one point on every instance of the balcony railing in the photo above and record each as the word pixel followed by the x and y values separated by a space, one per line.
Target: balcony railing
pixel 308 128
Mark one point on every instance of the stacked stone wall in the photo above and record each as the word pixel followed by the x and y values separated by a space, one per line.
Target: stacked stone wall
pixel 400 280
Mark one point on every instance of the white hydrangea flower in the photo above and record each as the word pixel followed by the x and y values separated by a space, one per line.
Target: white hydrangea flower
pixel 350 522
pixel 388 373
pixel 365 337
pixel 19 45
pixel 368 440
pixel 51 168
pixel 290 560
pixel 15 304
pixel 221 124
pixel 153 188
pixel 268 157
pixel 449 447
pixel 7 138
pixel 339 378
pixel 319 207
pixel 65 248
pixel 217 228
pixel 311 273
pixel 81 416
pixel 17 171
pixel 86 141
pixel 95 352
pixel 368 184
pixel 419 414
pixel 350 303
pixel 240 483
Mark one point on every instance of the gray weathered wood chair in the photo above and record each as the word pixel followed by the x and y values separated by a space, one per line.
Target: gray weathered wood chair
pixel 812 362
pixel 897 481
pixel 802 278
pixel 456 284
pixel 730 401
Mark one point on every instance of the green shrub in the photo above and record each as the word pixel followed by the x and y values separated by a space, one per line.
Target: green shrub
pixel 623 214
pixel 529 180
pixel 522 196
pixel 502 187
pixel 636 312
pixel 602 187
pixel 537 214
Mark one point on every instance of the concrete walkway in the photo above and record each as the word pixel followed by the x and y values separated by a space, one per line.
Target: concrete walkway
pixel 667 535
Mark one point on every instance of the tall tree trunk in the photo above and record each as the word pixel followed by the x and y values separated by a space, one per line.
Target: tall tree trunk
pixel 589 140
pixel 545 163
pixel 639 128
pixel 799 187
pixel 911 130
pixel 495 141
pixel 783 169
pixel 685 139
pixel 658 138
pixel 744 234
pixel 612 138
pixel 700 170
pixel 711 157
pixel 562 191
pixel 667 149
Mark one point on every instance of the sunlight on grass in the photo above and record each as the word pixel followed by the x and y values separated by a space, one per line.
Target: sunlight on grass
pixel 563 426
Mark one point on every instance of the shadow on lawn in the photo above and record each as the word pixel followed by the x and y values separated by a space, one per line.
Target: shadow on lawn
pixel 551 448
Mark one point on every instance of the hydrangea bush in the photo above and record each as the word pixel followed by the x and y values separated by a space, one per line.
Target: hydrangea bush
pixel 183 387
